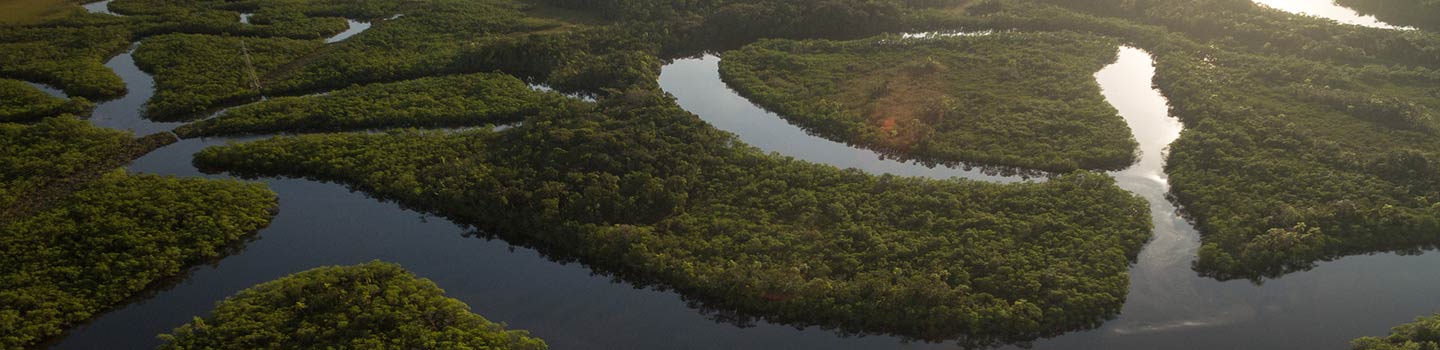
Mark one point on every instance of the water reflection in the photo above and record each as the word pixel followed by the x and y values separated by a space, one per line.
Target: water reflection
pixel 1169 305
pixel 49 90
pixel 355 28
pixel 696 84
pixel 123 113
pixel 99 7
pixel 1327 9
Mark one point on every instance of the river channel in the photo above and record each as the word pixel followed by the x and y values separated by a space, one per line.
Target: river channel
pixel 1169 306
pixel 1327 9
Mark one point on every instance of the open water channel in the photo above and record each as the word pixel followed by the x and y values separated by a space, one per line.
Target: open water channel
pixel 1169 306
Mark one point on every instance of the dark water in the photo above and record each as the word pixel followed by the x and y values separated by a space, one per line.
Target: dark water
pixel 124 113
pixel 49 90
pixel 1170 307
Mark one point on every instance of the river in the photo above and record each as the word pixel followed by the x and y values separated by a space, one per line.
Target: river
pixel 1169 305
pixel 1327 9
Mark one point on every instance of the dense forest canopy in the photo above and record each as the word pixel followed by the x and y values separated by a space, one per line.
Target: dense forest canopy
pixel 644 190
pixel 458 100
pixel 79 237
pixel 112 239
pixel 50 151
pixel 20 102
pixel 1305 141
pixel 1423 334
pixel 1421 14
pixel 67 57
pixel 367 306
pixel 195 73
pixel 1009 99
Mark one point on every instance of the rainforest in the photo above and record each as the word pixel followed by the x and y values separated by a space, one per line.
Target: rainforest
pixel 719 174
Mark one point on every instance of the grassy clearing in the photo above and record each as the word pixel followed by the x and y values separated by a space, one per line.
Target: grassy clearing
pixel 13 12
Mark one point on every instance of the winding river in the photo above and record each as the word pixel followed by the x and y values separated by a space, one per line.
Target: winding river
pixel 1169 306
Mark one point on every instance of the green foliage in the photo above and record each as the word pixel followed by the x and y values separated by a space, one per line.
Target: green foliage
pixel 580 59
pixel 644 190
pixel 20 102
pixel 278 18
pixel 111 240
pixel 1244 25
pixel 49 150
pixel 1422 14
pixel 1423 334
pixel 70 58
pixel 367 306
pixel 1012 99
pixel 455 37
pixel 426 41
pixel 78 237
pixel 739 21
pixel 196 73
pixel 1287 162
pixel 460 100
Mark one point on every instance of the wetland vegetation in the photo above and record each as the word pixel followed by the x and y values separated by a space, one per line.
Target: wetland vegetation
pixel 1011 99
pixel 1421 14
pixel 1423 334
pixel 644 190
pixel 80 236
pixel 20 102
pixel 1305 141
pixel 367 306
pixel 458 100
pixel 195 73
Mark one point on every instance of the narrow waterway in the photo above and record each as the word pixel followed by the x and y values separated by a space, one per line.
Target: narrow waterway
pixel 49 90
pixel 1169 307
pixel 124 113
pixel 1327 9
pixel 697 86
pixel 356 27
pixel 99 7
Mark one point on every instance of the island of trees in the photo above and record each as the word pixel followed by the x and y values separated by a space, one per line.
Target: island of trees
pixel 1305 141
pixel 457 100
pixel 367 306
pixel 1026 100
pixel 79 236
pixel 20 102
pixel 1423 334
pixel 641 189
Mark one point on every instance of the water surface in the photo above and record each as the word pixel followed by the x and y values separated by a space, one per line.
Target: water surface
pixel 1327 9
pixel 1170 307
pixel 696 85
pixel 124 113
pixel 99 7
pixel 49 90
pixel 355 28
